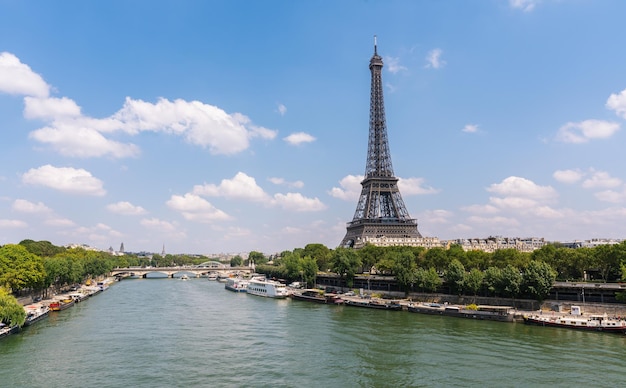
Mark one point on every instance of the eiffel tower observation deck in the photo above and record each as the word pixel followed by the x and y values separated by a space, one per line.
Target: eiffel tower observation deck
pixel 380 212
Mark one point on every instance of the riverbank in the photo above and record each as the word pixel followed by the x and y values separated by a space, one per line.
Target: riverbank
pixel 37 310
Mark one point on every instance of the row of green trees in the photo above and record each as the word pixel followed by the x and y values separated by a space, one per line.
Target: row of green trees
pixel 602 263
pixel 504 273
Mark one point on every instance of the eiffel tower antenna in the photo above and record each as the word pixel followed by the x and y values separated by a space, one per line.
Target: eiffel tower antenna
pixel 380 211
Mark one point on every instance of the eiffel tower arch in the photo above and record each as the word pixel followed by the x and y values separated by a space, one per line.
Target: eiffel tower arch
pixel 380 212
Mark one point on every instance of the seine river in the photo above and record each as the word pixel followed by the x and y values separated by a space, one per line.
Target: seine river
pixel 174 333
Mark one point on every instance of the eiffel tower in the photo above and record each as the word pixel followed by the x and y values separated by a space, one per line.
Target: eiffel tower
pixel 380 211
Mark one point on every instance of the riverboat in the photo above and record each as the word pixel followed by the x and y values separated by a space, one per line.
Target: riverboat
pixel 236 285
pixel 61 304
pixel 103 285
pixel 184 277
pixel 35 313
pixel 482 312
pixel 312 295
pixel 374 304
pixel 260 286
pixel 78 296
pixel 6 330
pixel 578 321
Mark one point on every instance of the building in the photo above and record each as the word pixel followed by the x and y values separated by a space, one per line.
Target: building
pixel 381 216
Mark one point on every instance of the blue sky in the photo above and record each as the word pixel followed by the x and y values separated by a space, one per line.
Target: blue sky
pixel 230 126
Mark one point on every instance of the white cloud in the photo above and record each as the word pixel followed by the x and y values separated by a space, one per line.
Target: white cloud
pixel 586 130
pixel 414 186
pixel 518 203
pixel 612 196
pixel 126 208
pixel 524 5
pixel 263 133
pixel 438 216
pixel 281 181
pixel 200 124
pixel 601 179
pixel 433 59
pixel 73 134
pixel 568 176
pixel 82 142
pixel 393 65
pixel 299 138
pixel 520 187
pixel 470 128
pixel 282 109
pixel 59 222
pixel 98 234
pixel 496 221
pixel 617 102
pixel 50 108
pixel 195 208
pixel 24 206
pixel 481 209
pixel 298 202
pixel 350 189
pixel 65 179
pixel 241 186
pixel 157 224
pixel 18 78
pixel 12 224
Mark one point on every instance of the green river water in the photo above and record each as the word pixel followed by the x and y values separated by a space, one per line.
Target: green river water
pixel 173 333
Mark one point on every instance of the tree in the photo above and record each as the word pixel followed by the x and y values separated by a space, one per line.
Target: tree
pixel 538 279
pixel 345 262
pixel 428 280
pixel 309 271
pixel 370 254
pixel 257 257
pixel 608 259
pixel 386 262
pixel 510 256
pixel 477 259
pixel 292 263
pixel 236 261
pixel 404 269
pixel 318 252
pixel 473 281
pixel 62 270
pixel 456 252
pixel 11 311
pixel 493 280
pixel 511 281
pixel 455 273
pixel 437 258
pixel 20 269
pixel 41 248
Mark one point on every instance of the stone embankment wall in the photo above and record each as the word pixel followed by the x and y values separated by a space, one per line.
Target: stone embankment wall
pixel 612 309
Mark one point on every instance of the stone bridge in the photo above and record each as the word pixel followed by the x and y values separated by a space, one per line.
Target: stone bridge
pixel 197 271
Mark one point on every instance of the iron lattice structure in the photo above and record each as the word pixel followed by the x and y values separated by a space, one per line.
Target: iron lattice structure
pixel 380 211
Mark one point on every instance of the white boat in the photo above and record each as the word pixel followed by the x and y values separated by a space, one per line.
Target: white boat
pixel 260 286
pixel 6 330
pixel 223 278
pixel 576 320
pixel 35 313
pixel 212 276
pixel 237 285
pixel 184 277
pixel 104 284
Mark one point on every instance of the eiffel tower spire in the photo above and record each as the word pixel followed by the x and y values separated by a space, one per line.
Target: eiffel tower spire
pixel 380 211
